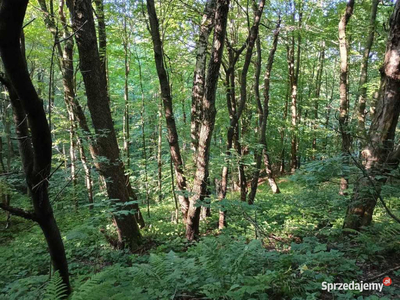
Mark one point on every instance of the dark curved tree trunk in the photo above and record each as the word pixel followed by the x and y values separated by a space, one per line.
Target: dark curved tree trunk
pixel 36 153
pixel 173 138
pixel 105 144
pixel 379 157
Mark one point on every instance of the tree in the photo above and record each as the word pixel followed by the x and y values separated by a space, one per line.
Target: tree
pixel 263 111
pixel 294 69
pixel 75 112
pixel 364 69
pixel 200 72
pixel 199 189
pixel 36 152
pixel 344 99
pixel 380 156
pixel 236 109
pixel 118 186
pixel 165 88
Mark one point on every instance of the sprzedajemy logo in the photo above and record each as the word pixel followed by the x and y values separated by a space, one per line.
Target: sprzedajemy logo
pixel 356 286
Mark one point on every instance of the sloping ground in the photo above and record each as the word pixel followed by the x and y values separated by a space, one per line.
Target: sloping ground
pixel 283 247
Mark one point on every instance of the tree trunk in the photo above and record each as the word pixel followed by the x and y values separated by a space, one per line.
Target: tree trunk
pixel 200 72
pixel 235 111
pixel 101 25
pixel 144 147
pixel 206 129
pixel 362 98
pixel 159 153
pixel 118 185
pixel 317 95
pixel 282 134
pixel 65 60
pixel 379 157
pixel 294 76
pixel 6 167
pixel 126 123
pixel 173 138
pixel 344 100
pixel 263 110
pixel 36 152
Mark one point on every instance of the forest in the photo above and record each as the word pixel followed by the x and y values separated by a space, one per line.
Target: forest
pixel 200 149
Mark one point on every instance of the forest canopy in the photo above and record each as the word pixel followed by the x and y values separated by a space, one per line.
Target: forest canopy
pixel 213 149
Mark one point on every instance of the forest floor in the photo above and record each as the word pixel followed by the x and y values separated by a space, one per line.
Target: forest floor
pixel 283 247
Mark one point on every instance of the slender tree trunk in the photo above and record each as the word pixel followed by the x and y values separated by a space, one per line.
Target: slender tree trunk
pixel 282 134
pixel 86 168
pixel 36 153
pixel 144 146
pixel 118 185
pixel 173 138
pixel 263 110
pixel 379 157
pixel 126 122
pixel 65 59
pixel 235 111
pixel 200 72
pixel 362 98
pixel 72 158
pixel 206 129
pixel 173 190
pixel 159 153
pixel 294 68
pixel 344 100
pixel 6 167
pixel 317 95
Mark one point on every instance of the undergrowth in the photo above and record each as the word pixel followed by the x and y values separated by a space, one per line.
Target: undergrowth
pixel 283 247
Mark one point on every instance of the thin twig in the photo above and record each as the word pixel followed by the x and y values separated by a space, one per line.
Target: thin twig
pixel 48 177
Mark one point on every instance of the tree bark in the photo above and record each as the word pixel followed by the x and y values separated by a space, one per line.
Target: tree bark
pixel 106 146
pixel 101 25
pixel 36 153
pixel 344 100
pixel 294 68
pixel 362 99
pixel 207 24
pixel 159 153
pixel 173 138
pixel 208 120
pixel 379 157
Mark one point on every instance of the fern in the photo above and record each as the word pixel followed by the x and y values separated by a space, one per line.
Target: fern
pixel 55 289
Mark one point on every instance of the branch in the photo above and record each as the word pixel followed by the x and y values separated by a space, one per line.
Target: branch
pixel 71 35
pixel 19 212
pixel 382 274
pixel 48 177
